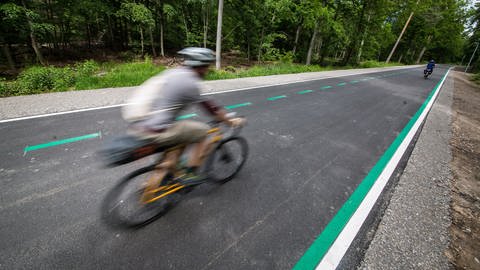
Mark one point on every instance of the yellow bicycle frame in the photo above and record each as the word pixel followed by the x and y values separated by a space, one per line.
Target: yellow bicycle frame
pixel 152 187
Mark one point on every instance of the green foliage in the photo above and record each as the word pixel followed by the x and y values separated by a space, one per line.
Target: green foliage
pixel 137 13
pixel 86 68
pixel 476 78
pixel 120 75
pixel 264 70
pixel 38 79
pixel 372 64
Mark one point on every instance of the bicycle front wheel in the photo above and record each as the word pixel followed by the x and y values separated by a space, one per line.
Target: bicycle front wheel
pixel 124 206
pixel 227 159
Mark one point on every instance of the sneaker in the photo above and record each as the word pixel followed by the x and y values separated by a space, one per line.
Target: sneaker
pixel 192 179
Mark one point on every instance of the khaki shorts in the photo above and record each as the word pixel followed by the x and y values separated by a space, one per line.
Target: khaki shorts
pixel 181 132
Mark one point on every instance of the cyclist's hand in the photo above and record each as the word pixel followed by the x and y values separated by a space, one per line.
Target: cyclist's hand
pixel 236 122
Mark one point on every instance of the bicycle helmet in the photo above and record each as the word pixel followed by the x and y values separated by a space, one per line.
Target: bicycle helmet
pixel 197 57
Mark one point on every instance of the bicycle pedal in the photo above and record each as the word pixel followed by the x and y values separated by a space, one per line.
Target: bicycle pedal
pixel 194 182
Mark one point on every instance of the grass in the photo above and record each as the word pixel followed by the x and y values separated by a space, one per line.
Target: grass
pixel 476 78
pixel 91 75
pixel 264 70
pixel 119 75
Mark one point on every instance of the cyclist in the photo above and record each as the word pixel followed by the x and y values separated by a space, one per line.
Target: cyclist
pixel 155 105
pixel 430 67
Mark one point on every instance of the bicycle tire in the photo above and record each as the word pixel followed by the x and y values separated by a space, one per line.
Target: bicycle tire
pixel 243 146
pixel 110 205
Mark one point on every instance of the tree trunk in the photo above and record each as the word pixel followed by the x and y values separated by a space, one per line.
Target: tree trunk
pixel 259 57
pixel 38 53
pixel 297 35
pixel 421 55
pixel 363 40
pixel 8 55
pixel 162 22
pixel 89 36
pixel 318 47
pixel 423 51
pixel 186 25
pixel 400 36
pixel 248 51
pixel 110 33
pixel 151 41
pixel 360 29
pixel 400 59
pixel 312 42
pixel 205 24
pixel 141 39
pixel 218 50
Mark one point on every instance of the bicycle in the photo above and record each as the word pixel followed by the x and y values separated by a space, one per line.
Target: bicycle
pixel 427 72
pixel 153 197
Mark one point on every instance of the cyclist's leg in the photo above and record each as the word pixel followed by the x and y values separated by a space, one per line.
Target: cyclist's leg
pixel 193 132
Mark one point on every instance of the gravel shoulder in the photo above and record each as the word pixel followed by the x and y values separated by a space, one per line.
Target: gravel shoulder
pixel 21 106
pixel 464 251
pixel 413 233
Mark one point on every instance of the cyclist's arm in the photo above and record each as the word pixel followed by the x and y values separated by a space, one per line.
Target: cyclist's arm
pixel 219 113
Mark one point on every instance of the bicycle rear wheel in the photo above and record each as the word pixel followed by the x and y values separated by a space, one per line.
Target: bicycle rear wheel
pixel 123 206
pixel 227 159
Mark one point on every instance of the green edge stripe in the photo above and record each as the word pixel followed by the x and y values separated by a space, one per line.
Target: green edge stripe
pixel 320 246
pixel 238 105
pixel 277 97
pixel 354 81
pixel 304 92
pixel 341 84
pixel 186 116
pixel 65 141
pixel 325 87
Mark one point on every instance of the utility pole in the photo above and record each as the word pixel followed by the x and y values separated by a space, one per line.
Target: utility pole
pixel 218 50
pixel 400 36
pixel 471 58
pixel 463 58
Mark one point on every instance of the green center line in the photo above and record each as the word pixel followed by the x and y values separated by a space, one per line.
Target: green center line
pixel 304 92
pixel 182 117
pixel 65 141
pixel 238 105
pixel 186 116
pixel 276 97
pixel 324 241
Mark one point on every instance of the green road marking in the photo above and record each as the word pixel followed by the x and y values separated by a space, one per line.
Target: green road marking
pixel 341 84
pixel 321 245
pixel 304 92
pixel 325 87
pixel 65 141
pixel 186 116
pixel 238 105
pixel 277 97
pixel 354 81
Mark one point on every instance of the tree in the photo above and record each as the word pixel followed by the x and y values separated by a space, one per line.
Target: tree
pixel 140 16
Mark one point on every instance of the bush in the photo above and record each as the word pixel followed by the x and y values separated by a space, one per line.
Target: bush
pixel 476 78
pixel 39 79
pixel 372 64
pixel 8 88
pixel 87 68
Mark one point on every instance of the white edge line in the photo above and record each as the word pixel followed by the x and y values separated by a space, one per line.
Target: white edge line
pixel 338 249
pixel 204 94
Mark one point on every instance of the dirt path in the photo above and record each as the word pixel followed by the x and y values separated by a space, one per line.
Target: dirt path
pixel 464 251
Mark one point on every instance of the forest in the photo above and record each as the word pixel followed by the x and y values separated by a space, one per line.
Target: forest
pixel 86 34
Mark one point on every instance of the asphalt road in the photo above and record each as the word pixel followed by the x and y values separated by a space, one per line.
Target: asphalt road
pixel 309 151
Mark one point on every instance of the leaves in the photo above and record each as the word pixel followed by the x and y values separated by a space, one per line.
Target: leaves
pixel 348 30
